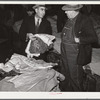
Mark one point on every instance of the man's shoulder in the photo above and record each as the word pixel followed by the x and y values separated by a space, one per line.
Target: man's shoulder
pixel 29 18
pixel 85 17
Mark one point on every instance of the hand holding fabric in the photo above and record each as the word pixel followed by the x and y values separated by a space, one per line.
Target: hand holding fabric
pixel 30 36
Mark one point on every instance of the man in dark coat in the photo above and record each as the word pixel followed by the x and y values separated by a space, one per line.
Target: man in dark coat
pixel 36 24
pixel 77 36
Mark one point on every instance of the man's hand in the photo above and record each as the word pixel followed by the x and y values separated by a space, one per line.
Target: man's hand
pixel 30 36
pixel 77 40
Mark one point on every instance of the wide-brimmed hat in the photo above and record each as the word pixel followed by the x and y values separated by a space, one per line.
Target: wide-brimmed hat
pixel 72 7
pixel 39 5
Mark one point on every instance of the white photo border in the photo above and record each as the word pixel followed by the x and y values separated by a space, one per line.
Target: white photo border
pixel 49 95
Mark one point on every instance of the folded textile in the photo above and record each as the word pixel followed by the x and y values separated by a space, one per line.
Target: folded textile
pixel 40 80
pixel 95 68
pixel 6 67
pixel 39 45
pixel 24 64
pixel 46 38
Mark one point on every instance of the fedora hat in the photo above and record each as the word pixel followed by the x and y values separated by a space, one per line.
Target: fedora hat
pixel 71 7
pixel 39 5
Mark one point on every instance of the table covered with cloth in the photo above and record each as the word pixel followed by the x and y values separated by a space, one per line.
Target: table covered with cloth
pixel 35 76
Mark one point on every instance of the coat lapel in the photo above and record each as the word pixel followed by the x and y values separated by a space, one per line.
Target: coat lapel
pixel 42 23
pixel 42 26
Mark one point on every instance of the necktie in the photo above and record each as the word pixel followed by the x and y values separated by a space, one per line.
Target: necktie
pixel 38 23
pixel 37 26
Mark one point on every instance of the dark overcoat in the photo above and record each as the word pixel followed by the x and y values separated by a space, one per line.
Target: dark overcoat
pixel 85 31
pixel 28 26
pixel 75 55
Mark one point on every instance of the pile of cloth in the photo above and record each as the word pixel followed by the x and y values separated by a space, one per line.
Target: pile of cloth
pixel 40 44
pixel 35 75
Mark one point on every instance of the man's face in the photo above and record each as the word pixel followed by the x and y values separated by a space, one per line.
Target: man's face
pixel 71 14
pixel 40 12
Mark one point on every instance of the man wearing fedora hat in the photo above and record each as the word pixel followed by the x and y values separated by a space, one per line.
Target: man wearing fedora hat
pixel 35 24
pixel 77 36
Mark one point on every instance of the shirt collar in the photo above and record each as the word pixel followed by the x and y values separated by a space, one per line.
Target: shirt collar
pixel 36 19
pixel 74 19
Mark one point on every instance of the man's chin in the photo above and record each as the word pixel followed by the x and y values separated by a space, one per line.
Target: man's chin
pixel 42 17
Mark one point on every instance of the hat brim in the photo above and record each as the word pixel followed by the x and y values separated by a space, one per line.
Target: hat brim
pixel 65 8
pixel 36 6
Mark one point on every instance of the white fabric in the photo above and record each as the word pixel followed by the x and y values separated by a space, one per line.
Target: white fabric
pixel 39 80
pixel 95 67
pixel 7 67
pixel 46 38
pixel 23 64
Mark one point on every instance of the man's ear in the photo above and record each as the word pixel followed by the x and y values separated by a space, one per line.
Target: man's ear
pixel 36 10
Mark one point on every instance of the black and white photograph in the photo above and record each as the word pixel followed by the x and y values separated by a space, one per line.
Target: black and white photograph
pixel 49 47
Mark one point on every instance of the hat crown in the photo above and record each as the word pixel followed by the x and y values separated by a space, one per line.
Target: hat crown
pixel 38 5
pixel 72 6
